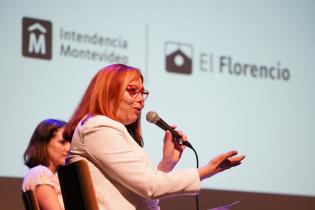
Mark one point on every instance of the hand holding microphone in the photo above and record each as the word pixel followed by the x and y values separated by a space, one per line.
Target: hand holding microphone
pixel 153 117
pixel 174 143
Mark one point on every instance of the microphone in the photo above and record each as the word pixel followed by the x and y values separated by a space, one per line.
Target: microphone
pixel 153 117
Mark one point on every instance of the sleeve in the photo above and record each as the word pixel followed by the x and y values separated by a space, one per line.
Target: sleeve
pixel 116 155
pixel 38 175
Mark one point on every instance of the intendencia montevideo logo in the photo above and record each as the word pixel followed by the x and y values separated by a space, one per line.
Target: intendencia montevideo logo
pixel 36 38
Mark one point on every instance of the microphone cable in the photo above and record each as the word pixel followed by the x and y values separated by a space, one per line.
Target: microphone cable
pixel 197 166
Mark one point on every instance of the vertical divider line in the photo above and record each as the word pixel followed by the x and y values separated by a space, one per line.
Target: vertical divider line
pixel 146 54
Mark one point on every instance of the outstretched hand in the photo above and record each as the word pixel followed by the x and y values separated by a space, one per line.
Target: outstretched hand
pixel 172 151
pixel 220 163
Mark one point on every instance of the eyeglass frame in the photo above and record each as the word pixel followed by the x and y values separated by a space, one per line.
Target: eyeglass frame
pixel 144 92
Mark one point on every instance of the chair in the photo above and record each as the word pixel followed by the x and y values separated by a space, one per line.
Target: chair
pixel 77 187
pixel 29 200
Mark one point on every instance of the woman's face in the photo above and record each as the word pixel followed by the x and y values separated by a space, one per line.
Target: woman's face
pixel 58 149
pixel 130 106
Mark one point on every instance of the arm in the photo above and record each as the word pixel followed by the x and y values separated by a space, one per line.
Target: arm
pixel 115 153
pixel 47 197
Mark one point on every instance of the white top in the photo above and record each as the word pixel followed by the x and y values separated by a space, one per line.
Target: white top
pixel 122 173
pixel 40 175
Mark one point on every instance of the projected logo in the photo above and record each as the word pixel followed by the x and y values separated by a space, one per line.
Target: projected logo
pixel 36 38
pixel 178 57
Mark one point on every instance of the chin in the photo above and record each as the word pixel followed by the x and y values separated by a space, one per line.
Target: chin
pixel 131 120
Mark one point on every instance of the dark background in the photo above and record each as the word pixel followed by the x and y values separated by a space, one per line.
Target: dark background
pixel 11 199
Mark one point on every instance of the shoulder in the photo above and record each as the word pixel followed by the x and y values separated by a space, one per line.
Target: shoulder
pixel 101 120
pixel 36 176
pixel 97 122
pixel 39 171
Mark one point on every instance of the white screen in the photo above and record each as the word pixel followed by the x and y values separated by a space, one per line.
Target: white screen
pixel 250 87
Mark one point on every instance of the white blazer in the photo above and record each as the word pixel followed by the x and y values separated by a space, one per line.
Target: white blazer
pixel 122 173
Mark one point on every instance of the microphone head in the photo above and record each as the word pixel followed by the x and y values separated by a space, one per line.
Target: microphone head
pixel 152 117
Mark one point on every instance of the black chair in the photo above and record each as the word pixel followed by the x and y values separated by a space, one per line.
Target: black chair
pixel 29 200
pixel 77 187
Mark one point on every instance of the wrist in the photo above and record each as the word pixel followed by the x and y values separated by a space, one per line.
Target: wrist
pixel 204 173
pixel 166 165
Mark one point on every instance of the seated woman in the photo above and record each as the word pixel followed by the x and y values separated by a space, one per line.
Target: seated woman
pixel 46 151
pixel 105 131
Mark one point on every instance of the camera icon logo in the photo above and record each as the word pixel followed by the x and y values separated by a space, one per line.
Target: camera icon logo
pixel 178 57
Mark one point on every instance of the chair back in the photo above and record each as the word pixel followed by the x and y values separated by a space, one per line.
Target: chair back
pixel 77 187
pixel 29 200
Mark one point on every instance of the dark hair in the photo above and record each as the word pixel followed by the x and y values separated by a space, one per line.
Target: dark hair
pixel 103 96
pixel 36 153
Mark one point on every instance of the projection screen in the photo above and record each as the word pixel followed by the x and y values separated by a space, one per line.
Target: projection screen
pixel 230 74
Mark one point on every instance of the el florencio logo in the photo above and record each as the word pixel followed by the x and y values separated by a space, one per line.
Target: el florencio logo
pixel 37 38
pixel 178 57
